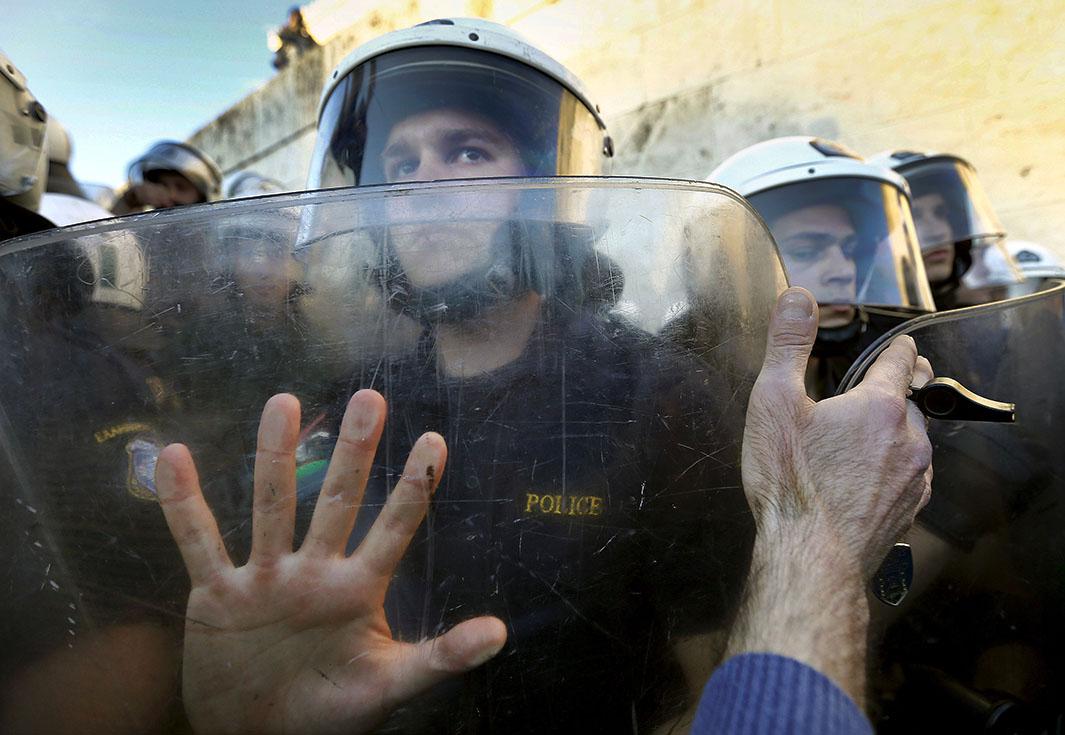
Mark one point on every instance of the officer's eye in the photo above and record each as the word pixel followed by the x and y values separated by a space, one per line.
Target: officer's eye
pixel 940 212
pixel 803 251
pixel 805 255
pixel 849 247
pixel 402 168
pixel 470 154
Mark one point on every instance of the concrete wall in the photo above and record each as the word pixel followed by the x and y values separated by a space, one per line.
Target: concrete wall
pixel 685 83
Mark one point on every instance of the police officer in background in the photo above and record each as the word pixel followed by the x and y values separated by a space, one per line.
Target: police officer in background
pixel 60 151
pixel 79 527
pixel 1039 265
pixel 170 174
pixel 64 202
pixel 248 183
pixel 957 227
pixel 844 232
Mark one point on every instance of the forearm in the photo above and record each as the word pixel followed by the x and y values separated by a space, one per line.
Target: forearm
pixel 805 602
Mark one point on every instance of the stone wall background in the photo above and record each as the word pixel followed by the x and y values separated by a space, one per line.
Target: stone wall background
pixel 686 83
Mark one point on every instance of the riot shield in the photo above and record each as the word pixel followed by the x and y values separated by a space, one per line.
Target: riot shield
pixel 585 346
pixel 981 645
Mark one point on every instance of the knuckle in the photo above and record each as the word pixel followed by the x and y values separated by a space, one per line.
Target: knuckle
pixel 353 440
pixel 443 655
pixel 918 457
pixel 888 405
pixel 789 338
pixel 924 454
pixel 905 344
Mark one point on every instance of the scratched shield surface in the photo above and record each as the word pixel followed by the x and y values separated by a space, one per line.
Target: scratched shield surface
pixel 585 346
pixel 978 640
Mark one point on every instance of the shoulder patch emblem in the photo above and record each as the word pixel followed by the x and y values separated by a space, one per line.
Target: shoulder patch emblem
pixel 109 433
pixel 140 477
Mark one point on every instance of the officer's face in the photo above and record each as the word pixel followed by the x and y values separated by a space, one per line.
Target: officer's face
pixel 451 234
pixel 817 244
pixel 263 278
pixel 933 226
pixel 180 189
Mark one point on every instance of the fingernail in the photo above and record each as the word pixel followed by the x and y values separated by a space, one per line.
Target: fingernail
pixel 795 306
pixel 272 428
pixel 364 416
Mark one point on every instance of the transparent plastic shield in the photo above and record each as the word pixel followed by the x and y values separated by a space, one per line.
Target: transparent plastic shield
pixel 585 347
pixel 850 241
pixel 984 627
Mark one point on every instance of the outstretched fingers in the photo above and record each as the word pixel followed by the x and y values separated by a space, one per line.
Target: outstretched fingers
pixel 191 522
pixel 345 480
pixel 274 505
pixel 405 509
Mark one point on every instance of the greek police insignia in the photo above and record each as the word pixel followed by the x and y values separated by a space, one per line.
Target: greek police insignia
pixel 140 478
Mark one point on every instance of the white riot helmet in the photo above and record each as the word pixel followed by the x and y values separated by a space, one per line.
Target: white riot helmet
pixel 182 158
pixel 952 211
pixel 60 150
pixel 23 160
pixel 1036 263
pixel 243 184
pixel 842 225
pixel 481 69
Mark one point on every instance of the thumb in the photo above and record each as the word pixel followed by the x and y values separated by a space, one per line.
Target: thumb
pixel 792 331
pixel 466 646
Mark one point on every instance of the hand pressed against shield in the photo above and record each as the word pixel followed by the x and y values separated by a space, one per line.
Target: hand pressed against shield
pixel 297 641
pixel 854 469
pixel 832 485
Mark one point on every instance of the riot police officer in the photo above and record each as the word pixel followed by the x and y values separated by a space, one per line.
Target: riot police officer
pixel 1038 264
pixel 844 232
pixel 587 505
pixel 80 522
pixel 170 174
pixel 956 224
pixel 249 183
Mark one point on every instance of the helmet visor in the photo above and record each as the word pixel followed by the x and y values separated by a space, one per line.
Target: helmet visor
pixel 429 113
pixel 949 204
pixel 849 241
pixel 181 159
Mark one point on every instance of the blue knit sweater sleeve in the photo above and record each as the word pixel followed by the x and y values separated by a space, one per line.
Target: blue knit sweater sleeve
pixel 762 693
